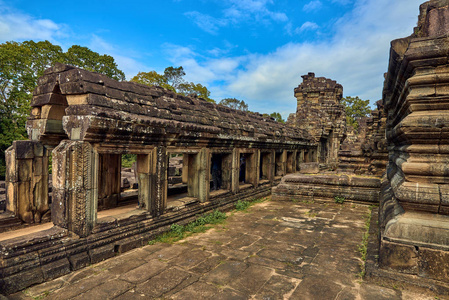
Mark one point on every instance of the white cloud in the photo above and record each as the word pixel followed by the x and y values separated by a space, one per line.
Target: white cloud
pixel 343 2
pixel 307 26
pixel 356 56
pixel 238 11
pixel 206 22
pixel 17 26
pixel 313 6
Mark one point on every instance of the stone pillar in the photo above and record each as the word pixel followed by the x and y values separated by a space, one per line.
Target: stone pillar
pixel 185 168
pixel 291 162
pixel 252 168
pixel 235 170
pixel 272 166
pixel 75 187
pixel 144 168
pixel 281 163
pixel 109 172
pixel 226 171
pixel 199 175
pixel 27 180
pixel 158 181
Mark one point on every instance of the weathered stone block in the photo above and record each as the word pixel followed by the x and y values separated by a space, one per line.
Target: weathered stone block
pixel 433 264
pixel 79 260
pixel 128 244
pixel 21 280
pixel 309 168
pixel 398 257
pixel 101 253
pixel 55 269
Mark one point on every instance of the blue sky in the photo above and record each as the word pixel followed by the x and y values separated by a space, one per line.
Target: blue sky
pixel 255 50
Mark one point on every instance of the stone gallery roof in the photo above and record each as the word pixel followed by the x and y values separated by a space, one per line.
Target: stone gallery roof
pixel 97 108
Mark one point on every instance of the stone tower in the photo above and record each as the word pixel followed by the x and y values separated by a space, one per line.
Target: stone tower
pixel 320 113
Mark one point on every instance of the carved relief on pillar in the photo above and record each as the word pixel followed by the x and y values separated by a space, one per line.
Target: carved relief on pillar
pixel 75 186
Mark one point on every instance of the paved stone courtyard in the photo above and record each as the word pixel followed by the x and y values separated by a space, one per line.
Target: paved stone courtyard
pixel 274 250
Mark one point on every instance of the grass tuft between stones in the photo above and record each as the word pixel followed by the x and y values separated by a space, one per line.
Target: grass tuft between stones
pixel 339 199
pixel 363 247
pixel 243 205
pixel 178 232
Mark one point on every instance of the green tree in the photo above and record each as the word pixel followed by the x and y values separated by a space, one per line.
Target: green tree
pixel 153 78
pixel 234 103
pixel 21 64
pixel 173 80
pixel 277 116
pixel 355 108
pixel 85 58
pixel 175 76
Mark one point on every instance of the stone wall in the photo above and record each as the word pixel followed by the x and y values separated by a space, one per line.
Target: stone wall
pixel 414 204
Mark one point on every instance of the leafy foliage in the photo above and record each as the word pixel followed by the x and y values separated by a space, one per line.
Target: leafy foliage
pixel 153 78
pixel 339 199
pixel 173 80
pixel 277 116
pixel 234 103
pixel 21 64
pixel 128 160
pixel 355 108
pixel 242 205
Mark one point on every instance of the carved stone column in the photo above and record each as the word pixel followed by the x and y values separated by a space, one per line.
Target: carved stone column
pixel 75 186
pixel 158 181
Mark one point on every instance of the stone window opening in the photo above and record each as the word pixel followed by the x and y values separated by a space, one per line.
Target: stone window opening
pixel 220 173
pixel 178 192
pixel 280 164
pixel 306 156
pixel 216 172
pixel 299 159
pixel 265 167
pixel 242 169
pixel 248 171
pixel 118 188
pixel 194 175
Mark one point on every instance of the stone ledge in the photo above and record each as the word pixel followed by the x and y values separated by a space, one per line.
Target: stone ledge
pixel 327 187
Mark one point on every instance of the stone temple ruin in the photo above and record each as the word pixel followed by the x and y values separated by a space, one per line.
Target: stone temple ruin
pixel 86 122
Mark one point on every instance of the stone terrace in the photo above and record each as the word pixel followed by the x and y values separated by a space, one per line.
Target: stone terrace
pixel 275 250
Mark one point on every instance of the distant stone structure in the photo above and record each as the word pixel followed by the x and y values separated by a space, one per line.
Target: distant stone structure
pixel 364 151
pixel 320 113
pixel 342 152
pixel 414 206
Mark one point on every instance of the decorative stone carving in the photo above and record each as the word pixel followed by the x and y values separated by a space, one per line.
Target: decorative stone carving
pixel 414 204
